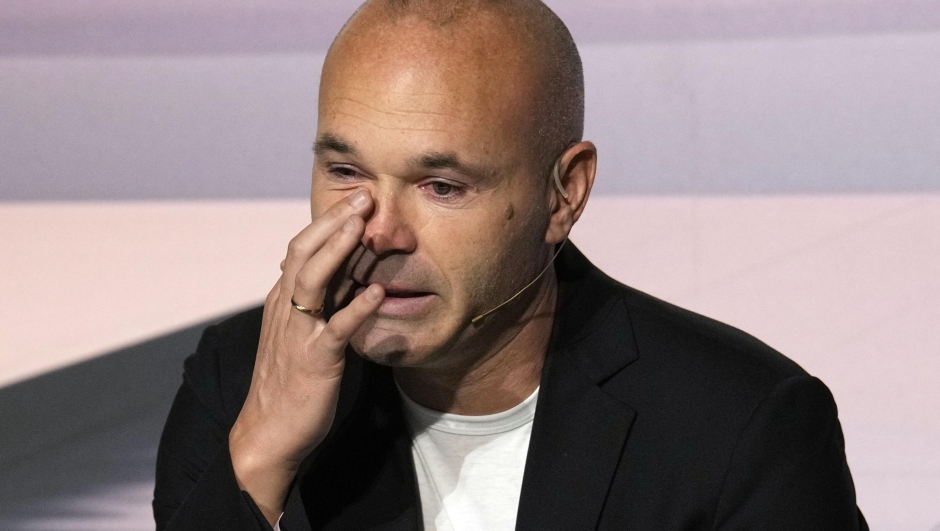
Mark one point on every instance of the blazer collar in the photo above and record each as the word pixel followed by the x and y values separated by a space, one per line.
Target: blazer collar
pixel 579 430
pixel 592 324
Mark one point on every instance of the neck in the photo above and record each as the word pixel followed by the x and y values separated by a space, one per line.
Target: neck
pixel 499 380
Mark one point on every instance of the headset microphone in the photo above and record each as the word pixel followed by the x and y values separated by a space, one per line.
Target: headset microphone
pixel 480 317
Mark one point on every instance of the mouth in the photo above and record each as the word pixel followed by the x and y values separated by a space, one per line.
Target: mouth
pixel 401 302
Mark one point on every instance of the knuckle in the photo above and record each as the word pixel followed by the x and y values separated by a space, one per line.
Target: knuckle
pixel 296 248
pixel 303 282
pixel 337 213
pixel 272 295
pixel 342 237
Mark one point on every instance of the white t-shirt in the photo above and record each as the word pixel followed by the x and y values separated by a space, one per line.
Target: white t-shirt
pixel 469 468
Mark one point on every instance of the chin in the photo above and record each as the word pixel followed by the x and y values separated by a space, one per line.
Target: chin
pixel 389 342
pixel 407 342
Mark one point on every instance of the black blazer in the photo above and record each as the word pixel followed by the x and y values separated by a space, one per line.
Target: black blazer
pixel 648 417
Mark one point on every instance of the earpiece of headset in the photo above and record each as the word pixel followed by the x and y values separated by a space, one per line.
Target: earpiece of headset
pixel 556 173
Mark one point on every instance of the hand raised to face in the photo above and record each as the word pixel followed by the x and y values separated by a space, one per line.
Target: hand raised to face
pixel 294 388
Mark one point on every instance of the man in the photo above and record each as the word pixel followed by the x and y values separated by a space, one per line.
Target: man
pixel 424 361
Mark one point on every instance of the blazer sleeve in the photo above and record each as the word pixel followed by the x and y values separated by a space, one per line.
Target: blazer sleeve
pixel 195 485
pixel 788 470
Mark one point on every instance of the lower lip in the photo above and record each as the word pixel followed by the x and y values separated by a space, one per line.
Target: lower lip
pixel 402 307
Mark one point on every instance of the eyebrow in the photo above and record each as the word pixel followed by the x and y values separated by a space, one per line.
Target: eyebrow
pixel 441 161
pixel 433 160
pixel 329 142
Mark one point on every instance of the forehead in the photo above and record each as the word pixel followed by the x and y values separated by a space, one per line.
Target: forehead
pixel 465 83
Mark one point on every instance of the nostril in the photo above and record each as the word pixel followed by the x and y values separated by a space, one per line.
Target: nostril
pixel 383 235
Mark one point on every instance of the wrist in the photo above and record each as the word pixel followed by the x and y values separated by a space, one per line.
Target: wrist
pixel 263 476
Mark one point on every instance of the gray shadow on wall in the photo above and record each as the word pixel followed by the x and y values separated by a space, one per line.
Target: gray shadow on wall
pixel 78 445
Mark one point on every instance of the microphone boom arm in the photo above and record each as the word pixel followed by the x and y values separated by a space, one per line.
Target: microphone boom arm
pixel 480 317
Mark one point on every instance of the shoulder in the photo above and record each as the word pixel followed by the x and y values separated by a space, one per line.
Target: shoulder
pixel 699 386
pixel 689 359
pixel 219 372
pixel 728 424
pixel 668 363
pixel 658 347
pixel 668 336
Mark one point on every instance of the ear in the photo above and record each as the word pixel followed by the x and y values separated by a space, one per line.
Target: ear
pixel 576 169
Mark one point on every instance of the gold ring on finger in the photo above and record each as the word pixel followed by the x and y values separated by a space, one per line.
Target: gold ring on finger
pixel 304 309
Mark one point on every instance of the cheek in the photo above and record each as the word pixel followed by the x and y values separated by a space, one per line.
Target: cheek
pixel 459 247
pixel 483 261
pixel 516 255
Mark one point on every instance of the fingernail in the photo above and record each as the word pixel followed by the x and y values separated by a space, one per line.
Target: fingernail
pixel 359 199
pixel 372 294
pixel 349 225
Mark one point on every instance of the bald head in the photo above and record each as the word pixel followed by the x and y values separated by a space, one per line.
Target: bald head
pixel 519 43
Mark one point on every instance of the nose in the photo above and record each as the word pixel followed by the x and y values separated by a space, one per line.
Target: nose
pixel 388 229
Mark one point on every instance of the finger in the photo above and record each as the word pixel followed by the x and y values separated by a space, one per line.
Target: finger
pixel 270 302
pixel 311 281
pixel 313 236
pixel 269 316
pixel 271 313
pixel 344 323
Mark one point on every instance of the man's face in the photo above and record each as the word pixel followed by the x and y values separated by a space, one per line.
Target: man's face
pixel 436 126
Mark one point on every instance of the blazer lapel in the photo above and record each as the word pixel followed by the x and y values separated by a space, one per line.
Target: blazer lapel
pixel 579 430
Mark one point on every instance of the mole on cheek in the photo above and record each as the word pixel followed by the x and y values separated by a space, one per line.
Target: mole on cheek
pixel 510 212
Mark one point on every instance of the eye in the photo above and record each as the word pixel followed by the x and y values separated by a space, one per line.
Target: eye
pixel 440 188
pixel 444 191
pixel 344 173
